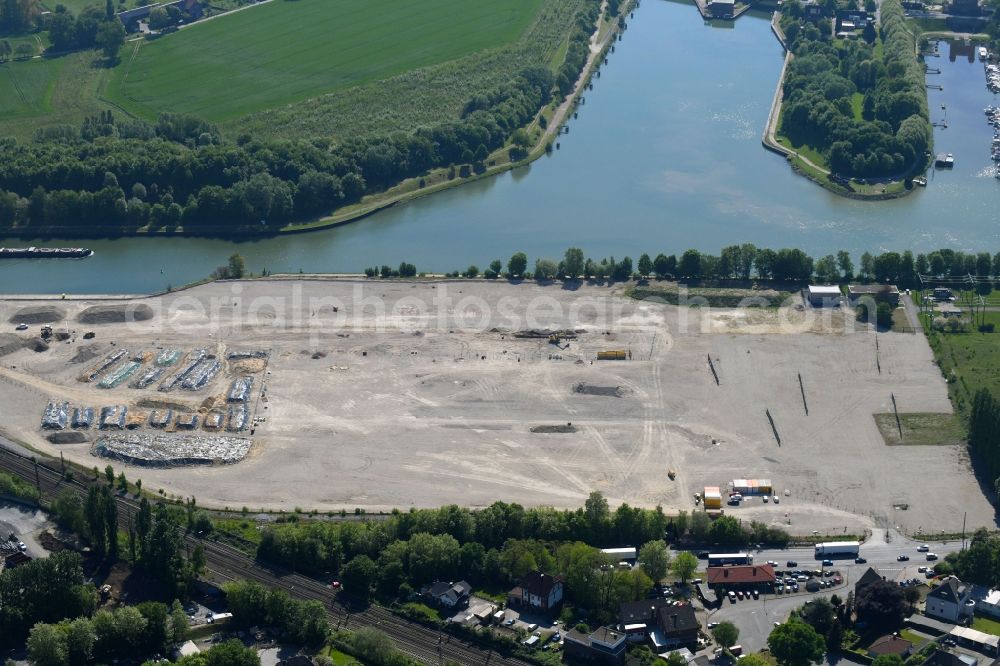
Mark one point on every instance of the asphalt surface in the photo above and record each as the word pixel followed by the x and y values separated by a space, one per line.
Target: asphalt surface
pixel 226 563
pixel 755 618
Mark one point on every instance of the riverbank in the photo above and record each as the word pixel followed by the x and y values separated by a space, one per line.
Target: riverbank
pixel 801 163
pixel 605 34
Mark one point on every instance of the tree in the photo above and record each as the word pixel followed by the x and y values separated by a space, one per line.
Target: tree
pixel 845 264
pixel 684 565
pixel 819 614
pixel 888 660
pixel 236 267
pixel 546 269
pixel 752 660
pixel 795 643
pixel 660 266
pixel 110 38
pixel 109 474
pixel 518 264
pixel 727 531
pixel 645 265
pixel 881 604
pixel 47 646
pixel 725 634
pixel 573 262
pixel 690 264
pixel 24 50
pixel 359 576
pixel 472 271
pixel 655 559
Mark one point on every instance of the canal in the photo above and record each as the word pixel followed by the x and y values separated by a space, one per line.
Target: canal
pixel 664 155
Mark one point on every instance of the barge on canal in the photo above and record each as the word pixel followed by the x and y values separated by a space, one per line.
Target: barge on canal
pixel 45 252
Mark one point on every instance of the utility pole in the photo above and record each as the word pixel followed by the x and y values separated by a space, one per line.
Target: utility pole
pixel 62 460
pixel 38 481
pixel 964 515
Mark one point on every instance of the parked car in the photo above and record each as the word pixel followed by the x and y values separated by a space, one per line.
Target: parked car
pixel 21 546
pixel 739 594
pixel 921 569
pixel 732 596
pixel 802 578
pixel 532 627
pixel 779 588
pixel 923 548
pixel 509 622
pixel 860 560
pixel 795 587
pixel 903 558
pixel 755 593
pixel 21 327
pixel 765 499
pixel 713 625
pixel 776 499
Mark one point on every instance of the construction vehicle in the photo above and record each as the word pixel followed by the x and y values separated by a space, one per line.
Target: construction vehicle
pixel 554 339
pixel 46 332
pixel 672 474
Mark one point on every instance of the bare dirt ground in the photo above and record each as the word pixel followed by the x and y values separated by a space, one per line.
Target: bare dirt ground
pixel 398 394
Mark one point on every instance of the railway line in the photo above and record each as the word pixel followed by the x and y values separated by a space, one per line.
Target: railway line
pixel 226 564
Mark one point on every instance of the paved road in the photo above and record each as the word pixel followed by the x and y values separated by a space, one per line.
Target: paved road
pixel 756 618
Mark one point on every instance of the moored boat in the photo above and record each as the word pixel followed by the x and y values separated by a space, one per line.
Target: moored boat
pixel 45 252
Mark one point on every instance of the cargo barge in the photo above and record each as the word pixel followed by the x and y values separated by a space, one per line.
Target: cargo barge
pixel 44 252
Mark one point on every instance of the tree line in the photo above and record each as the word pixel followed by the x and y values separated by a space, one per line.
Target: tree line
pixel 893 133
pixel 739 262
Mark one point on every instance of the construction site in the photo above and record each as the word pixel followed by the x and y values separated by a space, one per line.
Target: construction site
pixel 341 394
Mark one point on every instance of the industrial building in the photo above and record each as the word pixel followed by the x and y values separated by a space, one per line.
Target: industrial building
pixel 824 295
pixel 882 293
pixel 741 577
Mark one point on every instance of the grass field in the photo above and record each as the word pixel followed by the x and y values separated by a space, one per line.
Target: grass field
pixel 986 625
pixel 44 92
pixel 921 429
pixel 969 361
pixel 285 52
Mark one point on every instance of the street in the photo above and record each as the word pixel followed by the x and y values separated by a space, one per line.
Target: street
pixel 755 618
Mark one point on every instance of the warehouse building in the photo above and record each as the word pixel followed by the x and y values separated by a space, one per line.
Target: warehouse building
pixel 823 295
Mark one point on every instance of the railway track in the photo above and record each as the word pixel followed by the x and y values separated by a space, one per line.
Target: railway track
pixel 226 564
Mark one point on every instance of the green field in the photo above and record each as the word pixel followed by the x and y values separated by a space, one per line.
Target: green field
pixel 43 92
pixel 285 52
pixel 969 361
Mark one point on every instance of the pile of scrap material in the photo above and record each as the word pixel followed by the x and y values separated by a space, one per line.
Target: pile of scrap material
pixel 83 417
pixel 147 378
pixel 194 358
pixel 201 374
pixel 545 333
pixel 55 416
pixel 239 417
pixel 113 417
pixel 168 357
pixel 242 355
pixel 239 390
pixel 107 363
pixel 168 450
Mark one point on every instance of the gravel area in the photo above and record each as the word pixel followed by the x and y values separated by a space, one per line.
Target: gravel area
pixel 397 394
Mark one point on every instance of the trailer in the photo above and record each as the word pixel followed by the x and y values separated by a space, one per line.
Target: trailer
pixel 753 486
pixel 832 549
pixel 722 559
pixel 611 355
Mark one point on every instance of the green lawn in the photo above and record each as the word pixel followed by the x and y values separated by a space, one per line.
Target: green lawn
pixel 969 361
pixel 857 105
pixel 42 92
pixel 284 52
pixel 921 429
pixel 986 625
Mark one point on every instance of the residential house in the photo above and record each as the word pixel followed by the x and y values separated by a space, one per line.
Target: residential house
pixel 823 295
pixel 605 646
pixel 950 601
pixel 447 595
pixel 665 624
pixel 869 577
pixel 537 590
pixel 890 644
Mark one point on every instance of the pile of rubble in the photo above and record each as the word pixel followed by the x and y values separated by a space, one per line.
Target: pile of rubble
pixel 166 450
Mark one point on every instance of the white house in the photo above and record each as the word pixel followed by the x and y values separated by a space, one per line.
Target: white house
pixel 989 603
pixel 950 601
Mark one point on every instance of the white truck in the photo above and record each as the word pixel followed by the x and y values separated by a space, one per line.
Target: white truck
pixel 832 549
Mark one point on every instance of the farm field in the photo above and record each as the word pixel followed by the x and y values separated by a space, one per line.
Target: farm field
pixel 45 92
pixel 282 53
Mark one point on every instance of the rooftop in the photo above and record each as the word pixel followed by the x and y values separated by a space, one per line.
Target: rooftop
pixel 743 573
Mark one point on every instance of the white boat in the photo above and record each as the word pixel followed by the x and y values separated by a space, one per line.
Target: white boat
pixel 983 53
